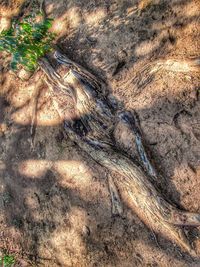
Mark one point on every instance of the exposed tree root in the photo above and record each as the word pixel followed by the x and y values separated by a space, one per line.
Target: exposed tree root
pixel 146 74
pixel 90 124
pixel 175 65
pixel 117 207
pixel 131 123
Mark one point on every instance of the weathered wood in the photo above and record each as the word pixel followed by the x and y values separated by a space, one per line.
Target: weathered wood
pixel 117 207
pixel 91 125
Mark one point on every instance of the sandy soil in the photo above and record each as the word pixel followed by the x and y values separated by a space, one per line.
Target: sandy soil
pixel 55 205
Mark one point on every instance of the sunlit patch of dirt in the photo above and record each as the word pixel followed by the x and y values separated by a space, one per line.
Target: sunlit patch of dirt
pixel 10 8
pixel 67 22
pixel 70 172
pixel 33 168
pixel 94 18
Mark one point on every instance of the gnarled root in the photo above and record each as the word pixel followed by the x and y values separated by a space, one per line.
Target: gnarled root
pixel 87 128
pixel 146 74
pixel 130 122
pixel 177 65
pixel 148 204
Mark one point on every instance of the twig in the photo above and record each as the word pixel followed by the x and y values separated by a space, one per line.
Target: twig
pixel 117 208
pixel 34 111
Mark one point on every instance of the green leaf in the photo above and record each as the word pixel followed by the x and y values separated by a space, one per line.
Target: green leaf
pixel 13 65
pixel 7 260
pixel 2 45
pixel 8 32
pixel 37 36
pixel 48 23
pixel 15 60
pixel 26 27
pixel 27 41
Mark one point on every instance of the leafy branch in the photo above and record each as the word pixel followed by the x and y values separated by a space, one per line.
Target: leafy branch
pixel 7 260
pixel 27 41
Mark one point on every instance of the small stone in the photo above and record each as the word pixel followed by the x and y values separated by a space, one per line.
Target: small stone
pixel 122 55
pixel 91 40
pixel 24 74
pixel 3 129
pixel 86 230
pixel 5 23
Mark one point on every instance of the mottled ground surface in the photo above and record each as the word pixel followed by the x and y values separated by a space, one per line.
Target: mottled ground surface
pixel 55 205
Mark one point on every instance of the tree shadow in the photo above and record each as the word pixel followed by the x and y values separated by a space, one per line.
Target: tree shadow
pixel 130 39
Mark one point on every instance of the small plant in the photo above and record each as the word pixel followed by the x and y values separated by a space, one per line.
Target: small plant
pixel 27 41
pixel 7 261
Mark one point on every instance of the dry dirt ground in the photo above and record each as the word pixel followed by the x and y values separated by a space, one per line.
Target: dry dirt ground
pixel 55 205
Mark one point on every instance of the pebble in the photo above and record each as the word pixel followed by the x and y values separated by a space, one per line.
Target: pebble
pixel 86 230
pixel 24 74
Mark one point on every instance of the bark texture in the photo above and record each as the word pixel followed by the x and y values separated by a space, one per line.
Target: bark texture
pixel 89 120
